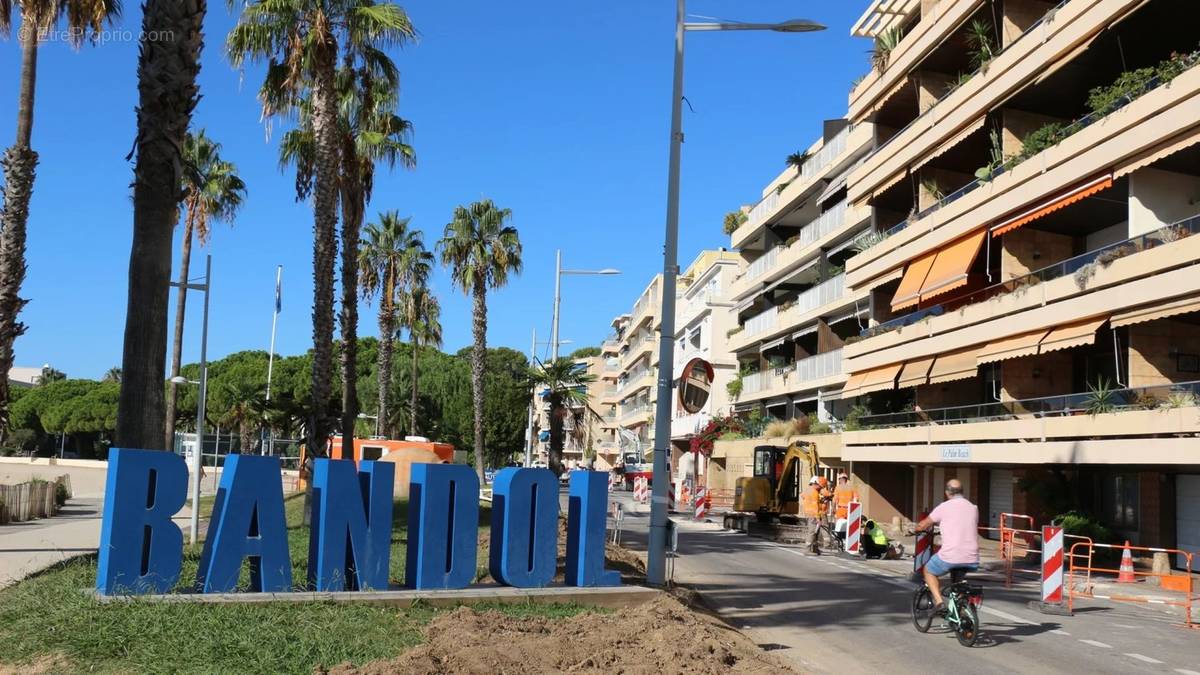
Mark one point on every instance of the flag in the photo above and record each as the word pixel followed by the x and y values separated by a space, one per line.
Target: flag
pixel 278 289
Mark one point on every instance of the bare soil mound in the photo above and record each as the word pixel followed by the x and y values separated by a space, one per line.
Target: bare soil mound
pixel 660 637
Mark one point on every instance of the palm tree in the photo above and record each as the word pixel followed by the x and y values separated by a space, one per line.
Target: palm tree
pixel 299 39
pixel 247 411
pixel 563 384
pixel 481 251
pixel 422 316
pixel 19 162
pixel 112 375
pixel 370 132
pixel 211 190
pixel 392 257
pixel 167 94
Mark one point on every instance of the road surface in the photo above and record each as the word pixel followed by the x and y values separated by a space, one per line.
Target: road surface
pixel 827 614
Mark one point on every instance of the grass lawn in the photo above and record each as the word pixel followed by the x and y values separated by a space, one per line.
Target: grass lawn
pixel 50 616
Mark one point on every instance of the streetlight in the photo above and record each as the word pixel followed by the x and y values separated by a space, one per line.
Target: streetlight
pixel 365 416
pixel 198 453
pixel 656 558
pixel 558 274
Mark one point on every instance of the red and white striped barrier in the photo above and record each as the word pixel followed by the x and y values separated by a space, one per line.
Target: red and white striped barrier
pixel 853 528
pixel 670 497
pixel 611 482
pixel 701 503
pixel 1052 564
pixel 639 489
pixel 923 551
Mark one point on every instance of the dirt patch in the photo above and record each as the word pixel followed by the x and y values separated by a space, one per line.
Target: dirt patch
pixel 659 637
pixel 49 663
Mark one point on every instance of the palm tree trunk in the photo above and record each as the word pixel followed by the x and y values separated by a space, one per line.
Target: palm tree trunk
pixel 19 166
pixel 167 94
pixel 185 260
pixel 412 403
pixel 479 330
pixel 556 435
pixel 386 345
pixel 352 214
pixel 325 204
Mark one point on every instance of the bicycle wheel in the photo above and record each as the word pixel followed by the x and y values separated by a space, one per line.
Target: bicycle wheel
pixel 967 630
pixel 922 609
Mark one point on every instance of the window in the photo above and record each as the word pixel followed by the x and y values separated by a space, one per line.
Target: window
pixel 1120 501
pixel 371 452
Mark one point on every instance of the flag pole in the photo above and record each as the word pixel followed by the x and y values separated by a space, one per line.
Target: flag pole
pixel 271 353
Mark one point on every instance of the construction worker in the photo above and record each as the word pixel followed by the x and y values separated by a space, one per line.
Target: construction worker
pixel 813 501
pixel 875 542
pixel 843 494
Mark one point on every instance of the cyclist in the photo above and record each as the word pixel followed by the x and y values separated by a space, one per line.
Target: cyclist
pixel 959 523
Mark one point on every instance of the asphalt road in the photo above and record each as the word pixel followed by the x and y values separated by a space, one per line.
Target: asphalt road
pixel 827 614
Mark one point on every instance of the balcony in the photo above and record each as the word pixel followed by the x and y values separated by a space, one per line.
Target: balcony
pixel 815 372
pixel 1119 140
pixel 686 426
pixel 786 317
pixel 635 380
pixel 638 347
pixel 784 259
pixel 635 415
pixel 833 157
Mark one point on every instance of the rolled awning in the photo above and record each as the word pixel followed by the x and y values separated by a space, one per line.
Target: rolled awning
pixel 915 373
pixel 951 142
pixel 833 188
pixel 958 365
pixel 1158 310
pixel 1144 159
pixel 1071 335
pixel 950 269
pixel 1025 344
pixel 882 279
pixel 772 344
pixel 880 379
pixel 851 387
pixel 908 293
pixel 1067 198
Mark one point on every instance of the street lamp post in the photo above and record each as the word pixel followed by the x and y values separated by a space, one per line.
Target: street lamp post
pixel 656 558
pixel 558 274
pixel 203 382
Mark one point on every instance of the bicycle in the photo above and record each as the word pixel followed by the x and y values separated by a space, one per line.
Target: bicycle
pixel 962 603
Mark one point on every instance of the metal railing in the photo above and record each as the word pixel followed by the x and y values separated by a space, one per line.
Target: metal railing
pixel 830 151
pixel 1166 396
pixel 634 411
pixel 817 228
pixel 756 382
pixel 820 295
pixel 1101 256
pixel 763 263
pixel 819 366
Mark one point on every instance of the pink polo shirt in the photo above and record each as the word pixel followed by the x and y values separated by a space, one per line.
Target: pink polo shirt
pixel 959 523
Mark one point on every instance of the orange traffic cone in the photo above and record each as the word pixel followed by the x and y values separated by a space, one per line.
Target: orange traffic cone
pixel 1126 574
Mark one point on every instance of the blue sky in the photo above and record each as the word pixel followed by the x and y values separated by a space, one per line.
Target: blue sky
pixel 557 110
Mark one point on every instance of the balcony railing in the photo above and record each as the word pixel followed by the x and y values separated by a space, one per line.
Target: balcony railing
pixel 756 382
pixel 1180 395
pixel 1080 264
pixel 761 322
pixel 764 262
pixel 830 151
pixel 630 413
pixel 821 294
pixel 819 366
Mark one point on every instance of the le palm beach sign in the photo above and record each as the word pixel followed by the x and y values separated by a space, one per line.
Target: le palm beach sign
pixel 141 548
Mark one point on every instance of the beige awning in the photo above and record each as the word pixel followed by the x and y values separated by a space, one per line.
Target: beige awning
pixel 891 91
pixel 1158 310
pixel 958 365
pixel 915 373
pixel 881 280
pixel 1148 157
pixel 884 186
pixel 1013 347
pixel 880 379
pixel 850 389
pixel 951 142
pixel 1072 335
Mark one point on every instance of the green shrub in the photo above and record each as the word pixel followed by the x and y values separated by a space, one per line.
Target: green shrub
pixel 734 220
pixel 816 426
pixel 1039 139
pixel 1083 525
pixel 61 494
pixel 854 417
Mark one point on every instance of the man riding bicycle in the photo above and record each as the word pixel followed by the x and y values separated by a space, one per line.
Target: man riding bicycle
pixel 959 523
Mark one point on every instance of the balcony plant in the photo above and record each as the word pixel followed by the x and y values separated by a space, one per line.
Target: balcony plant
pixel 782 186
pixel 734 331
pixel 868 240
pixel 734 220
pixel 796 160
pixel 1101 398
pixel 885 43
pixel 816 426
pixel 1179 399
pixel 980 43
pixel 853 420
pixel 718 428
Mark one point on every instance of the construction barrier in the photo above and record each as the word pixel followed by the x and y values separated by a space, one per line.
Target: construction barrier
pixel 701 503
pixel 1052 564
pixel 853 527
pixel 923 548
pixel 720 500
pixel 1168 581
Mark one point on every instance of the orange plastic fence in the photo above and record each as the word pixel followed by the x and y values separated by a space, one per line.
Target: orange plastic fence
pixel 1189 594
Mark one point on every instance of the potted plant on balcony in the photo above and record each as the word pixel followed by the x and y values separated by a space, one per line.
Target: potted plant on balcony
pixel 1101 398
pixel 734 220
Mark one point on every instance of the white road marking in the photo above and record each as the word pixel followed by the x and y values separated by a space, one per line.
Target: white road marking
pixel 1139 657
pixel 1007 616
pixel 1125 625
pixel 1059 631
pixel 1181 671
pixel 1096 644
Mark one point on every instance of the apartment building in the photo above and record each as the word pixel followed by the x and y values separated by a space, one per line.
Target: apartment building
pixel 703 318
pixel 792 308
pixel 1032 326
pixel 631 366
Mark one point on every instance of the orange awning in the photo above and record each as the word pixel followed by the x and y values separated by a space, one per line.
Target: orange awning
pixel 880 379
pixel 1051 205
pixel 949 270
pixel 1158 310
pixel 951 366
pixel 1071 335
pixel 1025 344
pixel 909 291
pixel 915 373
pixel 852 384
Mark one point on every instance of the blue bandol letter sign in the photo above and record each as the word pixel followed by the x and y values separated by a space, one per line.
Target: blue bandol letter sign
pixel 350 538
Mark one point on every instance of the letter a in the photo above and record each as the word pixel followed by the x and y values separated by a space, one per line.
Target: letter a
pixel 247 522
pixel 141 550
pixel 351 537
pixel 443 526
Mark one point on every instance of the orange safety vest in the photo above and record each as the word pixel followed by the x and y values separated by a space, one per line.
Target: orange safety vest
pixel 843 496
pixel 811 501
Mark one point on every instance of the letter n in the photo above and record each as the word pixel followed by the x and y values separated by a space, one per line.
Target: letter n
pixel 351 538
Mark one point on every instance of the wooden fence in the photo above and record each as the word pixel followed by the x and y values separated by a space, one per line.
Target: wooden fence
pixel 35 499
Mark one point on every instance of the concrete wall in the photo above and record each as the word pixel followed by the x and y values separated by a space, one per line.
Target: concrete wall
pixel 1015 125
pixel 1018 15
pixel 931 86
pixel 1027 249
pixel 1034 376
pixel 1158 198
pixel 946 394
pixel 1151 361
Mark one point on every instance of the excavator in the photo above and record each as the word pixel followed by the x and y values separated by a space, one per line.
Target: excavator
pixel 773 493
